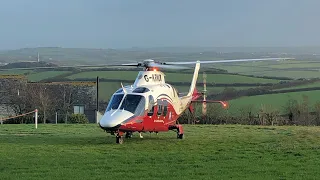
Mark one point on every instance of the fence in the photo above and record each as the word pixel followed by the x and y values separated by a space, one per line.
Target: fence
pixel 23 115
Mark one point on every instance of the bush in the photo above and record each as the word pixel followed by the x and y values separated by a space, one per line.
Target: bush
pixel 78 119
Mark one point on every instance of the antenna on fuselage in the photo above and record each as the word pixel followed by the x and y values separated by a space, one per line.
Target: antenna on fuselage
pixel 124 90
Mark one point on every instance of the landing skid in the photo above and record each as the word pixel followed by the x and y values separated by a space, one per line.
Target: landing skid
pixel 179 129
pixel 121 135
pixel 119 139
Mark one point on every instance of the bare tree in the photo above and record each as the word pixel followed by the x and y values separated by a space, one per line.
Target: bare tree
pixel 247 114
pixel 268 115
pixel 317 113
pixel 40 97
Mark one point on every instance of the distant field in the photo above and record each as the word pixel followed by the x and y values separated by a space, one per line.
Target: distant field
pixel 15 71
pixel 127 75
pixel 293 68
pixel 207 152
pixel 106 89
pixel 173 77
pixel 276 100
pixel 44 75
pixel 315 84
pixel 293 74
pixel 294 65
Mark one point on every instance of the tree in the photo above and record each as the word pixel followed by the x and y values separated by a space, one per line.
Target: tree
pixel 291 109
pixel 268 115
pixel 247 114
pixel 40 97
pixel 317 113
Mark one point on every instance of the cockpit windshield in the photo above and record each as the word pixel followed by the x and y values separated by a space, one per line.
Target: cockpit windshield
pixel 134 104
pixel 115 102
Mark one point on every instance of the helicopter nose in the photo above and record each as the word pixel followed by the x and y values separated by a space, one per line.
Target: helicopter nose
pixel 114 118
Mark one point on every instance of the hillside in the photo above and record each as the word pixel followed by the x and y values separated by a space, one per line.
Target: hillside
pixel 68 56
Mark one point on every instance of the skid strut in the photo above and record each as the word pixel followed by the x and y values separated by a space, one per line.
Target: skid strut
pixel 119 137
pixel 179 129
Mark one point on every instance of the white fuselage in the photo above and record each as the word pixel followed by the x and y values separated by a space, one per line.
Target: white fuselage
pixel 152 87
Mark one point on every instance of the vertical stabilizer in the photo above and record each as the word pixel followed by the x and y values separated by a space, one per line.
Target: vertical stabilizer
pixel 194 78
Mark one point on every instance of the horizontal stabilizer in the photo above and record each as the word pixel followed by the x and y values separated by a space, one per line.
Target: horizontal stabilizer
pixel 223 103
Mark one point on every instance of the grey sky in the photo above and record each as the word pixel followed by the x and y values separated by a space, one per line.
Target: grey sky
pixel 152 23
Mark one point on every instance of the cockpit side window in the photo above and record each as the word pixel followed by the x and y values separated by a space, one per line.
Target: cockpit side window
pixel 134 104
pixel 151 105
pixel 114 102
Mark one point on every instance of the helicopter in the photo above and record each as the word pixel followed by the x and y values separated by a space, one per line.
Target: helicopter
pixel 152 105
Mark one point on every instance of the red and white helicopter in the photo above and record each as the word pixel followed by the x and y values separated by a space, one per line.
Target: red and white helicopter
pixel 152 105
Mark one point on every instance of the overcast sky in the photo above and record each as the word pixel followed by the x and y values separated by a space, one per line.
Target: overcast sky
pixel 153 23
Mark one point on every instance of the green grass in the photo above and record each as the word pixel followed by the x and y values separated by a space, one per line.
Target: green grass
pixel 277 68
pixel 172 77
pixel 207 152
pixel 44 75
pixel 126 75
pixel 296 65
pixel 106 89
pixel 275 100
pixel 15 71
pixel 292 74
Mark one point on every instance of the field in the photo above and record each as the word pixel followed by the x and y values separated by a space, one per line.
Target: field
pixel 292 69
pixel 207 152
pixel 172 77
pixel 278 101
pixel 44 75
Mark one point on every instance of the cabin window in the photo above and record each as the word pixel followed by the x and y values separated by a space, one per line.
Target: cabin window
pixel 160 107
pixel 165 108
pixel 159 110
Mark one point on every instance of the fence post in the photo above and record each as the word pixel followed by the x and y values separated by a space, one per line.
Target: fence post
pixel 36 118
pixel 56 117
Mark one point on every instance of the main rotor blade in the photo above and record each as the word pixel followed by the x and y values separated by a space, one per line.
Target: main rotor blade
pixel 228 61
pixel 164 66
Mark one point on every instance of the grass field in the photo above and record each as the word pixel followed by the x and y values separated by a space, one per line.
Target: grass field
pixel 277 68
pixel 173 77
pixel 15 71
pixel 207 152
pixel 44 75
pixel 276 100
